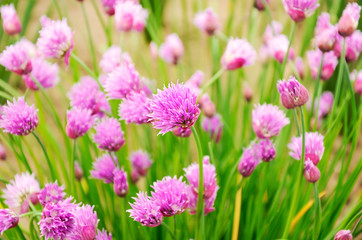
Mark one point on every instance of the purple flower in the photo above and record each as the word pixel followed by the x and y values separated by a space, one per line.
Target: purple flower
pixel 325 104
pixel 108 6
pixel 79 121
pixel 209 202
pixel 172 49
pixel 357 78
pixel 213 126
pixel 268 120
pixel 120 185
pixel 314 147
pixel 85 223
pixel 8 220
pixel 300 66
pixel 141 162
pixel 111 59
pixel 249 160
pixel 353 46
pixel 271 30
pixel 343 235
pixel 329 63
pixel 56 39
pixel 130 16
pixel 175 106
pixel 146 211
pixel 15 58
pixel 44 72
pixel 207 21
pixel 18 118
pixel 51 193
pixel 298 10
pixel 11 21
pixel 103 168
pixel 135 108
pixel 292 93
pixel 311 172
pixel 103 235
pixel 267 150
pixel 238 53
pixel 348 23
pixel 182 132
pixel 325 32
pixel 109 135
pixel 170 195
pixel 277 47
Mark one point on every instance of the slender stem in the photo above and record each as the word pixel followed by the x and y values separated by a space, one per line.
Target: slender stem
pixel 291 37
pixel 30 213
pixel 222 36
pixel 168 229
pixel 213 79
pixel 200 221
pixel 71 168
pixel 318 213
pixel 296 120
pixel 124 220
pixel 212 158
pixel 25 160
pixel 175 228
pixel 26 93
pixel 268 12
pixel 84 66
pixel 101 20
pixel 57 7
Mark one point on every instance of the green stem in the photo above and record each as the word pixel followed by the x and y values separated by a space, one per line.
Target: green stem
pixel 84 66
pixel 291 37
pixel 213 79
pixel 124 220
pixel 175 228
pixel 30 213
pixel 168 229
pixel 296 120
pixel 267 9
pixel 101 20
pixel 200 221
pixel 71 168
pixel 212 159
pixel 318 213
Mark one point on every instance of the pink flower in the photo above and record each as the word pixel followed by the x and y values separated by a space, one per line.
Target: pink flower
pixel 207 21
pixel 326 33
pixel 353 46
pixel 172 49
pixel 120 184
pixel 109 135
pixel 259 4
pixel 357 78
pixel 103 168
pixel 45 73
pixel 292 93
pixel 311 172
pixel 79 121
pixel 8 220
pixel 247 92
pixel 108 6
pixel 11 22
pixel 135 108
pixel 85 223
pixel 348 23
pixel 130 16
pixel 111 59
pixel 267 150
pixel 208 203
pixel 314 147
pixel 15 58
pixel 213 126
pixel 141 162
pixel 273 29
pixel 239 53
pixel 196 79
pixel 103 235
pixel 343 235
pixel 51 193
pixel 249 160
pixel 300 66
pixel 298 10
pixel 329 63
pixel 278 47
pixel 182 132
pixel 325 104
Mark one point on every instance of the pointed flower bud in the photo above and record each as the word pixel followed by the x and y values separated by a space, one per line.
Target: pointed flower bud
pixel 348 23
pixel 343 235
pixel 267 150
pixel 292 93
pixel 11 22
pixel 356 77
pixel 207 21
pixel 311 172
pixel 259 4
pixel 120 184
pixel 249 160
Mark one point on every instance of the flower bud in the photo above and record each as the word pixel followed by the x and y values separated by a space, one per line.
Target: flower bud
pixel 326 40
pixel 11 22
pixel 78 172
pixel 238 53
pixel 120 185
pixel 300 66
pixel 259 4
pixel 343 235
pixel 348 23
pixel 249 160
pixel 247 92
pixel 153 50
pixel 356 77
pixel 292 93
pixel 267 150
pixel 207 21
pixel 208 108
pixel 8 219
pixel 311 172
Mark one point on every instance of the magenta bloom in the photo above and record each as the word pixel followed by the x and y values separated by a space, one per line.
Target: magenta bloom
pixel 172 49
pixel 343 235
pixel 348 23
pixel 325 33
pixel 85 223
pixel 182 132
pixel 18 118
pixel 111 59
pixel 311 172
pixel 79 121
pixel 353 46
pixel 103 168
pixel 108 6
pixel 146 211
pixel 268 120
pixel 314 147
pixel 249 160
pixel 300 66
pixel 213 126
pixel 44 72
pixel 103 235
pixel 238 53
pixel 267 150
pixel 269 34
pixel 170 195
pixel 120 184
pixel 292 93
pixel 298 10
pixel 56 39
pixel 130 16
pixel 15 58
pixel 141 162
pixel 278 47
pixel 329 63
pixel 51 193
pixel 207 21
pixel 175 106
pixel 8 220
pixel 109 135
pixel 259 4
pixel 11 21
pixel 208 203
pixel 196 79
pixel 135 108
pixel 357 78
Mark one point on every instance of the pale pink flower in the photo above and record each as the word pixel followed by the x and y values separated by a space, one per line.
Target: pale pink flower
pixel 15 58
pixel 298 10
pixel 11 21
pixel 238 53
pixel 348 23
pixel 111 59
pixel 207 21
pixel 329 63
pixel 172 49
pixel 278 47
pixel 130 16
pixel 314 147
pixel 45 73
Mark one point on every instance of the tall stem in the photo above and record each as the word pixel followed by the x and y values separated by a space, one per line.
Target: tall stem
pixel 84 66
pixel 200 220
pixel 318 213
pixel 291 37
pixel 101 20
pixel 71 168
pixel 174 227
pixel 213 79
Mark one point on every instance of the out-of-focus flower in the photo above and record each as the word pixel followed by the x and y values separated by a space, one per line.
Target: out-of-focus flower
pixel 207 106
pixel 325 104
pixel 209 202
pixel 292 93
pixel 141 162
pixel 103 168
pixel 85 223
pixel 314 147
pixel 268 120
pixel 207 21
pixel 103 235
pixel 79 121
pixel 172 49
pixel 196 79
pixel 267 150
pixel 146 211
pixel 18 118
pixel 15 58
pixel 78 171
pixel 300 66
pixel 130 16
pixel 11 21
pixel 111 59
pixel 153 50
pixel 175 106
pixel 8 220
pixel 343 235
pixel 311 172
pixel 182 132
pixel 249 160
pixel 329 63
pixel 170 195
pixel 29 47
pixel 278 47
pixel 52 192
pixel 56 39
pixel 2 152
pixel 357 78
pixel 259 4
pixel 120 184
pixel 348 23
pixel 213 126
pixel 353 46
pixel 298 10
pixel 271 30
pixel 44 72
pixel 247 92
pixel 325 33
pixel 238 53
pixel 135 108
pixel 109 135
pixel 108 6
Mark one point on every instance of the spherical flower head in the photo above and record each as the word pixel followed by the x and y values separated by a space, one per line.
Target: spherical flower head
pixel 325 103
pixel 11 21
pixel 15 58
pixel 146 211
pixel 353 46
pixel 271 30
pixel 45 73
pixel 135 108
pixel 111 59
pixel 85 223
pixel 172 49
pixel 329 63
pixel 19 118
pixel 268 120
pixel 8 220
pixel 108 6
pixel 259 4
pixel 103 235
pixel 314 147
pixel 300 66
pixel 192 175
pixel 79 121
pixel 130 16
pixel 207 21
pixel 343 235
pixel 175 106
pixel 298 10
pixel 56 39
pixel 267 150
pixel 357 78
pixel 348 23
pixel 325 33
pixel 170 194
pixel 196 79
pixel 109 135
pixel 213 126
pixel 249 160
pixel 57 220
pixel 311 172
pixel 238 53
pixel 208 203
pixel 292 93
pixel 141 162
pixel 182 132
pixel 120 184
pixel 52 192
pixel 278 47
pixel 103 168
